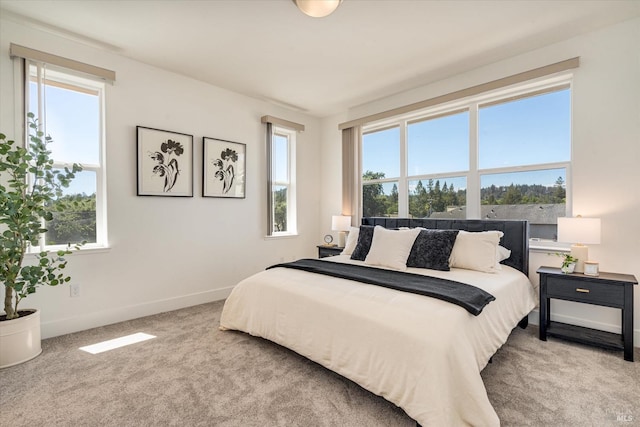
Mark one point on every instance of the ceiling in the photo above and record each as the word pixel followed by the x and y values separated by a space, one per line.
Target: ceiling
pixel 365 50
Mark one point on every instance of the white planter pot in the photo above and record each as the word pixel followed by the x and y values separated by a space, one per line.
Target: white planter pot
pixel 20 339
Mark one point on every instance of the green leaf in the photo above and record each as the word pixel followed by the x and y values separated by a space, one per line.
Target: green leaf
pixel 23 208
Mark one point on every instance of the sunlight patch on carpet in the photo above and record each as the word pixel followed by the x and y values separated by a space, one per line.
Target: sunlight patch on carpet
pixel 116 343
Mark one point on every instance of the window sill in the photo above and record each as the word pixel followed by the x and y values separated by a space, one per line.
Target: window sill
pixel 281 236
pixel 539 245
pixel 82 251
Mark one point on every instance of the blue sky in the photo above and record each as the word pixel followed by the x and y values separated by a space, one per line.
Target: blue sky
pixel 280 157
pixel 72 120
pixel 532 130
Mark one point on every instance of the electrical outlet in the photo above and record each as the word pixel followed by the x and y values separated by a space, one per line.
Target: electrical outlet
pixel 74 290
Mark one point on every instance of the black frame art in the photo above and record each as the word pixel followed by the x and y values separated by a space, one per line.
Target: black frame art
pixel 223 168
pixel 164 163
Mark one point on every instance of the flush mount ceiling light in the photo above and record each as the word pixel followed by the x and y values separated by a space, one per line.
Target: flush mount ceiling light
pixel 317 8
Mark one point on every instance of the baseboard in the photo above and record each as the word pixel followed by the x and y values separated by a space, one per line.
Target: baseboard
pixel 106 317
pixel 534 318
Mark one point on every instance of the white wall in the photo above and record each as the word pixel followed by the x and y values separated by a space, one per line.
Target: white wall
pixel 606 150
pixel 167 253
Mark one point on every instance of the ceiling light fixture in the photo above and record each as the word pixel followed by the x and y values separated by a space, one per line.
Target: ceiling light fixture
pixel 317 8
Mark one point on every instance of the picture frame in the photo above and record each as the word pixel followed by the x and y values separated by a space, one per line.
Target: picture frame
pixel 164 163
pixel 223 168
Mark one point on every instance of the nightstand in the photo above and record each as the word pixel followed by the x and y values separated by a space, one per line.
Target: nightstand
pixel 325 251
pixel 607 289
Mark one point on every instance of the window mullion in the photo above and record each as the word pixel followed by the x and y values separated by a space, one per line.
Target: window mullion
pixel 403 185
pixel 473 177
pixel 40 100
pixel 524 168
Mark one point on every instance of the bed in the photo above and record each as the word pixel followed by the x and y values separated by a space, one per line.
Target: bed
pixel 422 353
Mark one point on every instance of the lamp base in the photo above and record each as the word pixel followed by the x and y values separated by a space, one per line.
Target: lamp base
pixel 581 252
pixel 342 239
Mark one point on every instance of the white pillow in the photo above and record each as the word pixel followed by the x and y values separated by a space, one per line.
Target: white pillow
pixel 502 253
pixel 391 248
pixel 476 251
pixel 352 241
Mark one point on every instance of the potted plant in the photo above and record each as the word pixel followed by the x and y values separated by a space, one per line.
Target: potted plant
pixel 29 191
pixel 568 263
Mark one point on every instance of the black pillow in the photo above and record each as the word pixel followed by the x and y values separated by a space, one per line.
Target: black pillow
pixel 432 249
pixel 365 236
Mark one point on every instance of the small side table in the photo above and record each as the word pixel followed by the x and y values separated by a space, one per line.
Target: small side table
pixel 607 289
pixel 325 251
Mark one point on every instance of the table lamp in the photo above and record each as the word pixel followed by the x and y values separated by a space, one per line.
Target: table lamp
pixel 342 224
pixel 579 231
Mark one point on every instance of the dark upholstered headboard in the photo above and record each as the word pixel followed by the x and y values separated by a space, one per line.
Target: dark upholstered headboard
pixel 516 233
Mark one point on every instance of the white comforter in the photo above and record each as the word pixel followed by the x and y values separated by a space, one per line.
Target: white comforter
pixel 423 354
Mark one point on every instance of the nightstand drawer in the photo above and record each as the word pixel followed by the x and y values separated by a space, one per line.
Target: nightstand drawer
pixel 325 251
pixel 585 291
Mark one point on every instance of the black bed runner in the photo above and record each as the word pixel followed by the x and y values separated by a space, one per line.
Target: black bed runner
pixel 469 297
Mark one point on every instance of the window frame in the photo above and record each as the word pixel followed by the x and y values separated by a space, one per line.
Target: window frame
pixel 289 184
pixel 474 173
pixel 72 80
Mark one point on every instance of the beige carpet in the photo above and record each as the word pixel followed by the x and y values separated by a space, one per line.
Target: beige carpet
pixel 192 374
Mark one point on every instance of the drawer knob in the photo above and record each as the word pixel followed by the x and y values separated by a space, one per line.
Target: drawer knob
pixel 584 291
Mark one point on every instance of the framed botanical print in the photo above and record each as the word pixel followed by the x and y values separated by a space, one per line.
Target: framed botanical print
pixel 223 171
pixel 165 163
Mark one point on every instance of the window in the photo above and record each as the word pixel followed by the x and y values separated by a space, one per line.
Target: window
pixel 499 155
pixel 524 152
pixel 437 158
pixel 381 171
pixel 71 110
pixel 282 188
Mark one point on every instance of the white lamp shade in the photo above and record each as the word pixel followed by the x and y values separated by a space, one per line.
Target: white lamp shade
pixel 340 223
pixel 579 230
